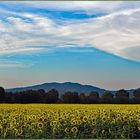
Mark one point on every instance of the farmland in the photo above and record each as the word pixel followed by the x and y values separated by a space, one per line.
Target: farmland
pixel 69 121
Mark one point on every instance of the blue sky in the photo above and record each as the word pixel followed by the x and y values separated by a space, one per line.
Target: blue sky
pixel 93 43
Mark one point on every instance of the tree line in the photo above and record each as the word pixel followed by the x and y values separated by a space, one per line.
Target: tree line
pixel 41 96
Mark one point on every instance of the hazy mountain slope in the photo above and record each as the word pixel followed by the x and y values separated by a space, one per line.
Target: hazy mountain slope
pixel 64 87
pixel 61 87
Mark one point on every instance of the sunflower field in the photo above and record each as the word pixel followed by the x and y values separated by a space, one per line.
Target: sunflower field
pixel 69 121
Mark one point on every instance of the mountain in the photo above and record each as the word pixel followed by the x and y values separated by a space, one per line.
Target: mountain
pixel 64 87
pixel 61 87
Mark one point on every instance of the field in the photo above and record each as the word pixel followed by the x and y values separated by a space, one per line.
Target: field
pixel 69 121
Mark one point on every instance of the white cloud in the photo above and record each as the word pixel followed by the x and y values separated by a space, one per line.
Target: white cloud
pixel 88 6
pixel 117 33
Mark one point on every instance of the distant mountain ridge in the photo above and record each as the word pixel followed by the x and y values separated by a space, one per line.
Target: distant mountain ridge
pixel 64 87
pixel 61 87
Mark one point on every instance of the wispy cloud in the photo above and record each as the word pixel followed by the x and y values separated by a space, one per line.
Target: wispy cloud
pixel 4 64
pixel 87 6
pixel 117 32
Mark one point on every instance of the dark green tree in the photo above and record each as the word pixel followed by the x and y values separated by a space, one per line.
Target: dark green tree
pixel 122 96
pixel 136 96
pixel 70 97
pixel 83 99
pixel 107 97
pixel 93 97
pixel 2 94
pixel 52 96
pixel 29 96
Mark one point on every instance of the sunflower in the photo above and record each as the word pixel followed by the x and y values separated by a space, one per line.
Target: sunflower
pixel 74 129
pixel 85 119
pixel 20 132
pixel 67 130
pixel 73 122
pixel 45 120
pixel 79 122
pixel 93 131
pixel 40 125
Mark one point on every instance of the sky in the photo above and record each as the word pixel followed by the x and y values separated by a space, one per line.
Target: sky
pixel 89 42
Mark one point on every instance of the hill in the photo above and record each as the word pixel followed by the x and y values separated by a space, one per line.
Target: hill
pixel 64 87
pixel 61 87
